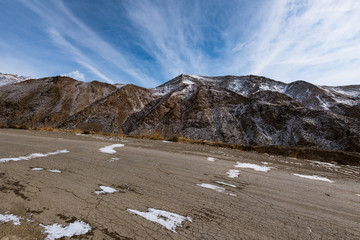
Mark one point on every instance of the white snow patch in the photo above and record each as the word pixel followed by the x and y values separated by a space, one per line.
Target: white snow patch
pixel 323 104
pixel 211 159
pixel 56 230
pixel 253 166
pixel 37 169
pixel 314 177
pixel 33 155
pixel 197 77
pixel 167 219
pixel 352 94
pixel 358 195
pixel 227 184
pixel 232 173
pixel 167 141
pixel 110 149
pixel 265 163
pixel 188 82
pixel 323 164
pixel 113 159
pixel 216 188
pixel 345 101
pixel 105 190
pixel 10 218
pixel 210 186
pixel 54 171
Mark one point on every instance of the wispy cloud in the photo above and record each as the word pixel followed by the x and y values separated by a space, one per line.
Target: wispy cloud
pixel 77 54
pixel 171 33
pixel 306 39
pixel 79 41
pixel 318 41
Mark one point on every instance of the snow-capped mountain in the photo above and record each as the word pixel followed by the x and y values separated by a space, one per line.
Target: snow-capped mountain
pixel 244 110
pixel 6 79
pixel 310 95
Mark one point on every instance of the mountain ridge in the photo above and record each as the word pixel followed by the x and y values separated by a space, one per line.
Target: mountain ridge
pixel 242 110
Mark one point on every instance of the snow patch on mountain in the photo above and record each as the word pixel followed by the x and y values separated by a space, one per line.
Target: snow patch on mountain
pixel 6 79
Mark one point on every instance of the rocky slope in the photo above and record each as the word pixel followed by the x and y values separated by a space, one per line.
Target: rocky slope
pixel 48 101
pixel 248 110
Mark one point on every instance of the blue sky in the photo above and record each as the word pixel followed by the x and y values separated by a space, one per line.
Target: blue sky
pixel 150 42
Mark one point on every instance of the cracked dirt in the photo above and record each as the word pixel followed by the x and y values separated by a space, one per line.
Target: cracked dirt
pixel 162 175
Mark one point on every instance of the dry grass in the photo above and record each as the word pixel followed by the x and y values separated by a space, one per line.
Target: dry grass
pixel 352 158
pixel 340 157
pixel 15 126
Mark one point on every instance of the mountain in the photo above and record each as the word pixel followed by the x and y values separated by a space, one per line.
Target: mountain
pixel 6 79
pixel 251 110
pixel 48 101
pixel 243 110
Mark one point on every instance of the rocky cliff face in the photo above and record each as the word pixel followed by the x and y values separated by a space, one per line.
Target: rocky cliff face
pixel 248 110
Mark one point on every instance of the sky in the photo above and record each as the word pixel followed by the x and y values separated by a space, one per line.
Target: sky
pixel 148 42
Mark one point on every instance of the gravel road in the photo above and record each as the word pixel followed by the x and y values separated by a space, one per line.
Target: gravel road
pixel 49 178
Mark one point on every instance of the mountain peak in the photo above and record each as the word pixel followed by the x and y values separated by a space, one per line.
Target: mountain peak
pixel 7 78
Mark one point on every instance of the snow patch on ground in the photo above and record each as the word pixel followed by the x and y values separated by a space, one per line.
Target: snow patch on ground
pixel 314 177
pixel 232 173
pixel 358 195
pixel 113 159
pixel 216 188
pixel 105 190
pixel 110 149
pixel 323 164
pixel 33 155
pixel 37 169
pixel 167 219
pixel 49 170
pixel 10 218
pixel 227 184
pixel 167 141
pixel 56 230
pixel 253 166
pixel 211 159
pixel 210 186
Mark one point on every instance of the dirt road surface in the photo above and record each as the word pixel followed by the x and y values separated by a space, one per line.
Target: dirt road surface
pixel 266 201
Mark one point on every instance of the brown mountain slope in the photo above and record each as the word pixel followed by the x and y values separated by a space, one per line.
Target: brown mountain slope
pixel 48 101
pixel 108 114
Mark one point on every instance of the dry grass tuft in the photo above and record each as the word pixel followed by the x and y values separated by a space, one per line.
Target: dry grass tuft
pixel 352 158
